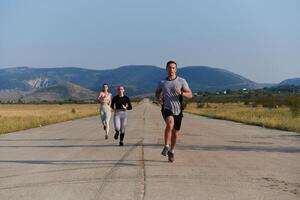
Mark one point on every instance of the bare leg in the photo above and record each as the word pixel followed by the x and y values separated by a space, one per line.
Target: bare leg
pixel 108 115
pixel 168 130
pixel 175 135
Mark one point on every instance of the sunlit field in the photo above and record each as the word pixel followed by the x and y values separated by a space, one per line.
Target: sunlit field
pixel 279 118
pixel 23 116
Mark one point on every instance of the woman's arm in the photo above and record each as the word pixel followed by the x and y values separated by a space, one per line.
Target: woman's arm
pixel 112 103
pixel 110 99
pixel 129 106
pixel 100 97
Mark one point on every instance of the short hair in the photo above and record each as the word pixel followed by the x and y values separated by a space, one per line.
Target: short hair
pixel 171 62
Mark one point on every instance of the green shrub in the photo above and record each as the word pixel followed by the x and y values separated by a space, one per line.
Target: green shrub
pixel 246 103
pixel 200 105
pixel 293 103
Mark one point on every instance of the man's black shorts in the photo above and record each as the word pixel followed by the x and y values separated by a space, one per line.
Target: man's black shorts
pixel 177 118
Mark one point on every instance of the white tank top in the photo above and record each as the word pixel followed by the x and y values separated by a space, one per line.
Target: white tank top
pixel 107 98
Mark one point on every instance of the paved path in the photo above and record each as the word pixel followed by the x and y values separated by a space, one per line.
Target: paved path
pixel 215 159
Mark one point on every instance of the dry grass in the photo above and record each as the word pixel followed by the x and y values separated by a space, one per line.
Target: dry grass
pixel 279 118
pixel 20 117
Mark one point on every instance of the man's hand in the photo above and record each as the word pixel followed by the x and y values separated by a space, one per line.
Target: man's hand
pixel 160 100
pixel 158 94
pixel 124 107
pixel 178 90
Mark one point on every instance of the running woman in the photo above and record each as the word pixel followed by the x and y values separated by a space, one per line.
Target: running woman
pixel 120 103
pixel 105 98
pixel 171 91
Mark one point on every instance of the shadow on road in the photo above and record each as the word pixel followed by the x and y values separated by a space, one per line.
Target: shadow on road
pixel 231 148
pixel 72 162
pixel 179 147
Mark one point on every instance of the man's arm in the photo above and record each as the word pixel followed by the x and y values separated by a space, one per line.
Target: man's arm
pixel 187 93
pixel 157 93
pixel 185 90
pixel 158 96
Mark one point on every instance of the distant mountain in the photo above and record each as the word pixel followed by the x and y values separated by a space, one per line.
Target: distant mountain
pixel 203 78
pixel 26 78
pixel 61 92
pixel 267 85
pixel 138 79
pixel 12 96
pixel 292 81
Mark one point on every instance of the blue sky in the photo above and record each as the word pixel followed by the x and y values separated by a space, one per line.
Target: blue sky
pixel 258 39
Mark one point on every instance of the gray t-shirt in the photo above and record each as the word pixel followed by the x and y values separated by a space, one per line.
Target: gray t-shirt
pixel 171 99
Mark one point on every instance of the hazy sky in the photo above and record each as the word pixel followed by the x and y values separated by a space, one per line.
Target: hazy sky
pixel 258 39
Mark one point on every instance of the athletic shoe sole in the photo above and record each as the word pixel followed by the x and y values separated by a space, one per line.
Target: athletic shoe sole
pixel 165 151
pixel 170 156
pixel 116 136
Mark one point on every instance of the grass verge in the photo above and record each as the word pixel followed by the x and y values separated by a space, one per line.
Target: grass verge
pixel 16 117
pixel 277 118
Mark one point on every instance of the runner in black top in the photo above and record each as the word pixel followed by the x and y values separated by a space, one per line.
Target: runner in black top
pixel 120 103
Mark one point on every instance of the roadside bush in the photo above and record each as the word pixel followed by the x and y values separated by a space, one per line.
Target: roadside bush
pixel 268 102
pixel 200 105
pixel 293 103
pixel 254 104
pixel 246 103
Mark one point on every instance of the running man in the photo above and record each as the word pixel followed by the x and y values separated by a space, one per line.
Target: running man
pixel 105 112
pixel 120 103
pixel 171 91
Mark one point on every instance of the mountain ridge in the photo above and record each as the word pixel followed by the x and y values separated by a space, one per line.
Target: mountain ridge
pixel 139 80
pixel 290 81
pixel 134 76
pixel 59 93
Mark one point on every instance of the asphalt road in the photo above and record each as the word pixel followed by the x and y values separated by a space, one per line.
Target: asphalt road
pixel 215 159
